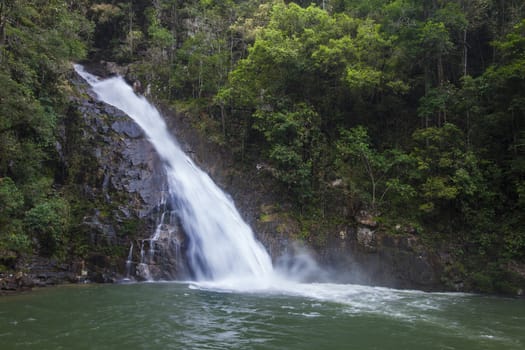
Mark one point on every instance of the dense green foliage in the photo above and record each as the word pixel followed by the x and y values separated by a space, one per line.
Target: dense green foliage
pixel 37 41
pixel 411 110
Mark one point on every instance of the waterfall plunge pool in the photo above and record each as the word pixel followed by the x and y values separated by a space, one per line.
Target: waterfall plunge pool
pixel 309 316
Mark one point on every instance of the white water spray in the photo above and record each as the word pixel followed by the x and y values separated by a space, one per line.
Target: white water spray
pixel 221 245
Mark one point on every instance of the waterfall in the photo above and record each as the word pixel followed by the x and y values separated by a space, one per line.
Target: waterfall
pixel 129 262
pixel 220 244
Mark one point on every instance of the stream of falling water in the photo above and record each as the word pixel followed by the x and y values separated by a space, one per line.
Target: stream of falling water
pixel 221 245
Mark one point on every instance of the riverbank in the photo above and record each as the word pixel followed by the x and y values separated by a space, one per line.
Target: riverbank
pixel 40 272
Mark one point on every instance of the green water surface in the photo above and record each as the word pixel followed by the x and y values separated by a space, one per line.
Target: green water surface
pixel 179 316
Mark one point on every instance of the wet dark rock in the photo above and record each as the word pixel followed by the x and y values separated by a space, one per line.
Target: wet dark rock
pixel 365 218
pixel 106 69
pixel 8 283
pixel 130 172
pixel 127 127
pixel 99 228
pixel 366 238
pixel 37 272
pixel 394 261
pixel 162 257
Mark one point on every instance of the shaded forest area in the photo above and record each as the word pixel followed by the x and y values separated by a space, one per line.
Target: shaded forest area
pixel 413 111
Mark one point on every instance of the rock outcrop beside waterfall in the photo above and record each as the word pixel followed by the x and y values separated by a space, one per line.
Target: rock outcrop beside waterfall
pixel 126 186
pixel 116 182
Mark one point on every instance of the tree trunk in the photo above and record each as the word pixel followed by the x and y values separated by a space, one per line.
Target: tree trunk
pixel 223 120
pixel 427 88
pixel 465 52
pixel 200 84
pixel 131 28
pixel 2 27
pixel 441 113
pixel 465 70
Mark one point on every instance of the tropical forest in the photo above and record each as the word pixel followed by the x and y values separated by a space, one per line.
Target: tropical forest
pixel 262 174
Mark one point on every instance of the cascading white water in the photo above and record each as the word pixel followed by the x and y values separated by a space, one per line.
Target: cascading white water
pixel 129 261
pixel 221 245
